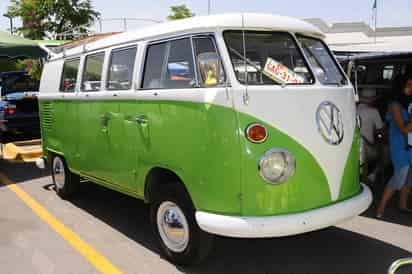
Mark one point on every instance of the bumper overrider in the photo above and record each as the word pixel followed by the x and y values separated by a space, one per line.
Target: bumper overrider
pixel 285 225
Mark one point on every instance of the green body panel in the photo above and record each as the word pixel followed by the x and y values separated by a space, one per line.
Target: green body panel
pixel 198 142
pixel 306 189
pixel 203 144
pixel 350 181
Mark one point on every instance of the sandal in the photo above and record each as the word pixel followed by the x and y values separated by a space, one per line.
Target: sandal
pixel 379 215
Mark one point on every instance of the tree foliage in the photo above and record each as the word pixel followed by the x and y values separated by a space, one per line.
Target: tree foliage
pixel 33 67
pixel 180 12
pixel 51 17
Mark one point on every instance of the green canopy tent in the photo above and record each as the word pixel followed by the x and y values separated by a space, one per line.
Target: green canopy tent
pixel 14 47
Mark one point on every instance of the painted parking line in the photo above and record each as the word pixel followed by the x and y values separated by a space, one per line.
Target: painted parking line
pixel 88 252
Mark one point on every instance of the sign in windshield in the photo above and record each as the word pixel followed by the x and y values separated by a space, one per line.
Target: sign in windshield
pixel 281 73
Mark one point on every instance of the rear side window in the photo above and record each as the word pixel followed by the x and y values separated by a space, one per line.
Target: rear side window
pixel 69 75
pixel 169 65
pixel 92 74
pixel 180 72
pixel 120 73
pixel 154 66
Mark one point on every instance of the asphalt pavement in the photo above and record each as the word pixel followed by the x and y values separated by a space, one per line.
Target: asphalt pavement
pixel 116 227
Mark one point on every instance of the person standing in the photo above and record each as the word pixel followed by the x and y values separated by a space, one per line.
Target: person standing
pixel 401 154
pixel 371 123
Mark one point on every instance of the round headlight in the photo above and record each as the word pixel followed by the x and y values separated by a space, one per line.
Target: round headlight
pixel 277 165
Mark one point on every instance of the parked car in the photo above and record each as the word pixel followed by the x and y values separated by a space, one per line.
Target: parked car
pixel 19 111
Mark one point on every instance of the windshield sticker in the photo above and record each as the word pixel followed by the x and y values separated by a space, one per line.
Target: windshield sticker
pixel 281 73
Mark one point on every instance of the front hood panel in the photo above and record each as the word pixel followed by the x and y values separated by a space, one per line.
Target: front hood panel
pixel 292 111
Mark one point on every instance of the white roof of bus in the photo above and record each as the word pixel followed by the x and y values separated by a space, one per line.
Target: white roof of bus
pixel 203 23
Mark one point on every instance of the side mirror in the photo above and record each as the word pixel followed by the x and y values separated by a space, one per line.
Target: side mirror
pixel 209 67
pixel 360 68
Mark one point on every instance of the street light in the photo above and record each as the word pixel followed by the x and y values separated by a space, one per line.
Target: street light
pixel 11 21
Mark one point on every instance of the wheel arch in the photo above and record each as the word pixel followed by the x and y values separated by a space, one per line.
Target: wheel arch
pixel 158 176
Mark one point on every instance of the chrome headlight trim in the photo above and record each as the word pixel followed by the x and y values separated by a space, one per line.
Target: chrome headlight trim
pixel 289 160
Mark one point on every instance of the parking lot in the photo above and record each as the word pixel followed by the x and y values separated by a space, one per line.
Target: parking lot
pixel 103 231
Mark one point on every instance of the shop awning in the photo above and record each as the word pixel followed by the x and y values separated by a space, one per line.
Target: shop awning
pixel 12 46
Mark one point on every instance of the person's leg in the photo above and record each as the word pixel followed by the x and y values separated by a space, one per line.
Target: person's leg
pixel 405 191
pixel 373 156
pixel 387 195
pixel 395 183
pixel 403 198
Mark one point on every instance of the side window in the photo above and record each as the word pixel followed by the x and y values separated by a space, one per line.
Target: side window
pixel 177 72
pixel 69 75
pixel 208 62
pixel 152 78
pixel 120 73
pixel 180 72
pixel 92 74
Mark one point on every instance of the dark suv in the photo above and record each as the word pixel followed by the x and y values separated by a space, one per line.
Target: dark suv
pixel 19 111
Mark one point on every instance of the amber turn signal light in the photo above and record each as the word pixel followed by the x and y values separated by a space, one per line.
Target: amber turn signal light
pixel 256 133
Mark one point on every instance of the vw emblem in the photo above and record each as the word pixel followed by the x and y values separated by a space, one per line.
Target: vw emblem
pixel 330 125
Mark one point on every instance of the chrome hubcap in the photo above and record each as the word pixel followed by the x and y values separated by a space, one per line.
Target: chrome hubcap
pixel 58 172
pixel 173 227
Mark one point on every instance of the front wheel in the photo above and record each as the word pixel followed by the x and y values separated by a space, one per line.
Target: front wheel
pixel 65 182
pixel 173 221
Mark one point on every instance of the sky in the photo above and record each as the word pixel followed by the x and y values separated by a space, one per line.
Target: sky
pixel 390 12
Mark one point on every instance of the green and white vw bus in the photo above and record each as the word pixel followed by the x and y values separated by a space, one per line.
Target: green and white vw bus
pixel 241 125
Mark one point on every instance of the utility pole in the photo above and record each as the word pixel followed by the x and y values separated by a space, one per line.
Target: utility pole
pixel 11 22
pixel 125 24
pixel 376 21
pixel 375 10
pixel 208 7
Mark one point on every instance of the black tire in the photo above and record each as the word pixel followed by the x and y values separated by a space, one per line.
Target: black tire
pixel 199 242
pixel 67 186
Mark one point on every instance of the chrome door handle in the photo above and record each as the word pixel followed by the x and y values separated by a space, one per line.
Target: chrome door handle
pixel 141 120
pixel 104 119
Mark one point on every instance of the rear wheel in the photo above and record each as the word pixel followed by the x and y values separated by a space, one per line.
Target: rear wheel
pixel 173 221
pixel 65 182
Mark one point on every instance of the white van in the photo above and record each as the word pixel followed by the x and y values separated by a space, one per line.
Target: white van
pixel 241 125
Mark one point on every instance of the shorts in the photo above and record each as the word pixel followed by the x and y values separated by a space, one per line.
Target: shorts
pixel 401 178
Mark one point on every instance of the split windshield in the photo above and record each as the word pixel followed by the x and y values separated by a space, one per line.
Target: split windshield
pixel 270 58
pixel 322 62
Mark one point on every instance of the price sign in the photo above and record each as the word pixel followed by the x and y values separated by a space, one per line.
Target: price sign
pixel 281 73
